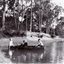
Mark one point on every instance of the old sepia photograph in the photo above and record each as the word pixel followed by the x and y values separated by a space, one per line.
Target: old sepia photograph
pixel 31 31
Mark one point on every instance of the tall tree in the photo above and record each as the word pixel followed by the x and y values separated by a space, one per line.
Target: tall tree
pixel 31 18
pixel 43 13
pixel 3 23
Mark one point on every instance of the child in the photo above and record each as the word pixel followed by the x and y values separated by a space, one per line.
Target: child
pixel 40 43
pixel 25 43
pixel 11 43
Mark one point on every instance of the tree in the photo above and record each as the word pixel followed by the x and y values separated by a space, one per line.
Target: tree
pixel 5 9
pixel 39 13
pixel 60 28
pixel 3 23
pixel 44 14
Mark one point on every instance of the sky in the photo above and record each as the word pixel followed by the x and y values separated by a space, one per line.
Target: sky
pixel 58 2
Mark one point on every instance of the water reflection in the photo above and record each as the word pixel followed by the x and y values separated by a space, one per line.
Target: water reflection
pixel 57 52
pixel 63 53
pixel 54 53
pixel 24 56
pixel 10 54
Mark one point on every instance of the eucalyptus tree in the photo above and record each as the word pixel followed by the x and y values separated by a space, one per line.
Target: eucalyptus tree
pixel 44 13
pixel 3 23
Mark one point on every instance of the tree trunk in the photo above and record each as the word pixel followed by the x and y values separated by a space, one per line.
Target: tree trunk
pixel 15 21
pixel 47 30
pixel 31 18
pixel 18 16
pixel 3 23
pixel 39 22
pixel 14 15
pixel 26 19
pixel 40 18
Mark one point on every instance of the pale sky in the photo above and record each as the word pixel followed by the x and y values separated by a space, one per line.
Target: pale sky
pixel 58 2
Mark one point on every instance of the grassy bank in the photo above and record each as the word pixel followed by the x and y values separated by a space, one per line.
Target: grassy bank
pixel 34 41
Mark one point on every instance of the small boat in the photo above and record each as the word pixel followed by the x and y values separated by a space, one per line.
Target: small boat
pixel 27 47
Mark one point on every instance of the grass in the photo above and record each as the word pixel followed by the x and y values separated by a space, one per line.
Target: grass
pixel 19 40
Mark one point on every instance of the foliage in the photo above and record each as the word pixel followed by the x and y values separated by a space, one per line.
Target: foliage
pixel 42 12
pixel 11 4
pixel 60 29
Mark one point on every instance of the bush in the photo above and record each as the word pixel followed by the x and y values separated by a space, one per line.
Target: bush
pixel 12 33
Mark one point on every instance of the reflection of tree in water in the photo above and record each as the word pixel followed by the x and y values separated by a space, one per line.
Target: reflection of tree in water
pixel 57 52
pixel 25 56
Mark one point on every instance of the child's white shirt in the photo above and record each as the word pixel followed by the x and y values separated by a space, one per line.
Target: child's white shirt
pixel 41 43
pixel 11 43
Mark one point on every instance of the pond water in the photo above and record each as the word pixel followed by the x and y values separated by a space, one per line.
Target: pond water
pixel 54 53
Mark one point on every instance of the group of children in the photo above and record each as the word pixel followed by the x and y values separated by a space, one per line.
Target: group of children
pixel 25 43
